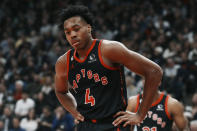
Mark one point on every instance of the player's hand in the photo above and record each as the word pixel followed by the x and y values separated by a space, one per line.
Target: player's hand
pixel 76 122
pixel 127 117
pixel 78 117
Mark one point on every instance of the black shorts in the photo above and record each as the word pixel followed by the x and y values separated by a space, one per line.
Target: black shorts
pixel 99 126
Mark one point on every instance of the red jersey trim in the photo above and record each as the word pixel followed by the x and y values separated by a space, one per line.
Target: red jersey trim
pixel 101 59
pixel 158 100
pixel 89 50
pixel 166 108
pixel 94 121
pixel 68 62
pixel 138 102
pixel 122 94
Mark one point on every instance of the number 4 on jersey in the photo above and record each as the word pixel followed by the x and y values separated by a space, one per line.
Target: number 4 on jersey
pixel 88 98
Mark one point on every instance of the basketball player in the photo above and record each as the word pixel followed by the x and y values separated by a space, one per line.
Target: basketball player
pixel 163 112
pixel 89 80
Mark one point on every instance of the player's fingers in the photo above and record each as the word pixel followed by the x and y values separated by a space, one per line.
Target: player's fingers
pixel 76 121
pixel 116 121
pixel 126 123
pixel 119 120
pixel 119 113
pixel 80 117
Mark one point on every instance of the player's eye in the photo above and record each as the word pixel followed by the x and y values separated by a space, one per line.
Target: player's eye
pixel 67 32
pixel 76 29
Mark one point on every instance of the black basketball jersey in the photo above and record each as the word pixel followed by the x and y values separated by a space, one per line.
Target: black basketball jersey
pixel 99 89
pixel 157 118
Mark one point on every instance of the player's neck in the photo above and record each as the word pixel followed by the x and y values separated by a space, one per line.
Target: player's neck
pixel 83 52
pixel 157 96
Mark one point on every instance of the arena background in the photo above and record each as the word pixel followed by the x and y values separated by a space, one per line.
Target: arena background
pixel 31 42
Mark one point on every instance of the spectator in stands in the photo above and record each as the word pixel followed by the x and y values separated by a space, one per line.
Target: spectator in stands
pixel 1 125
pixel 40 102
pixel 6 117
pixel 30 122
pixel 18 90
pixel 194 106
pixel 46 119
pixel 16 125
pixel 193 125
pixel 48 91
pixel 23 105
pixel 62 120
pixel 3 93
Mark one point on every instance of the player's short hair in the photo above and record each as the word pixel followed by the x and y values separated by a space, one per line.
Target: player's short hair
pixel 76 10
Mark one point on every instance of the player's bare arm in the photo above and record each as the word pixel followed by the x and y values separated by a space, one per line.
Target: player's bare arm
pixel 132 104
pixel 116 52
pixel 176 110
pixel 61 88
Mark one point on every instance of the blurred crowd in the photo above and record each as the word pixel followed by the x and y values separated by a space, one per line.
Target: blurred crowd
pixel 31 41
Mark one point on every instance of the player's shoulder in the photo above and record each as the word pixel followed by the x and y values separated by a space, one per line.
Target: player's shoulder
pixel 110 43
pixel 62 60
pixel 108 46
pixel 174 104
pixel 172 101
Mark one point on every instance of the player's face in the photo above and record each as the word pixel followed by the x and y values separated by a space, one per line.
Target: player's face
pixel 77 32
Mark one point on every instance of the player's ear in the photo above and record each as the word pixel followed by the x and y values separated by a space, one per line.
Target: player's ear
pixel 89 28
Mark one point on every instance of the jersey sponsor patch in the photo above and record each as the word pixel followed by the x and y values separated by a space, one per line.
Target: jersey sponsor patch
pixel 160 107
pixel 71 59
pixel 92 58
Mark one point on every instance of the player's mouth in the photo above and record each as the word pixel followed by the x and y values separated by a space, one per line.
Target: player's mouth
pixel 75 43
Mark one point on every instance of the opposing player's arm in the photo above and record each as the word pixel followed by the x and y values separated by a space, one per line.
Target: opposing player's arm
pixel 61 88
pixel 152 73
pixel 176 110
pixel 132 104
